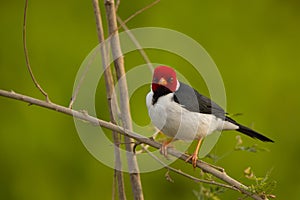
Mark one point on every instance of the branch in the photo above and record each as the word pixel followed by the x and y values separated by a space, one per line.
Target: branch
pixel 135 180
pixel 27 57
pixel 109 83
pixel 211 182
pixel 142 139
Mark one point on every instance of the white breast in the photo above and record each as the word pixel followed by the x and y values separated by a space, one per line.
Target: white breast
pixel 177 122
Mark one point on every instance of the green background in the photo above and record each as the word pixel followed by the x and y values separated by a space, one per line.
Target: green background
pixel 255 45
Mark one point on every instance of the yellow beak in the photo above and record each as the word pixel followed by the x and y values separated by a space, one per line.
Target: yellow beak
pixel 162 81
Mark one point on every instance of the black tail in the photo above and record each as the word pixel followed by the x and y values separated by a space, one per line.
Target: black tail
pixel 252 133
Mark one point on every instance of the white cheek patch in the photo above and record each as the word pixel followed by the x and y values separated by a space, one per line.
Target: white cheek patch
pixel 178 85
pixel 149 99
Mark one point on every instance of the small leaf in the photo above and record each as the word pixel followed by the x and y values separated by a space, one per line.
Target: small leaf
pixel 249 173
pixel 168 177
pixel 272 196
pixel 239 140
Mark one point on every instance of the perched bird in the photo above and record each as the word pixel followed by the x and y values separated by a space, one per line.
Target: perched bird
pixel 181 113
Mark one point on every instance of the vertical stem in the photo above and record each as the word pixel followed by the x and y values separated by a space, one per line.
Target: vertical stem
pixel 27 57
pixel 109 83
pixel 124 99
pixel 136 43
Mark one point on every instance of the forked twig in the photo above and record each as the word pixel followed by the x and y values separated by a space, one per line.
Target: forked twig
pixel 211 182
pixel 27 57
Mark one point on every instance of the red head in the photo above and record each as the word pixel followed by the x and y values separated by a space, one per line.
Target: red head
pixel 165 76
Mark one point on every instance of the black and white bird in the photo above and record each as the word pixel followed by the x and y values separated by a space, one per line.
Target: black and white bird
pixel 181 113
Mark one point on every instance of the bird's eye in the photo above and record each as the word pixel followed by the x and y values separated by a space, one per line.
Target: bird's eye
pixel 170 80
pixel 154 80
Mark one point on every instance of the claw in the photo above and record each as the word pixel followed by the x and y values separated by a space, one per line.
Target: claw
pixel 194 158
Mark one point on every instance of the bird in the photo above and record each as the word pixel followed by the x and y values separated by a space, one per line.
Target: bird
pixel 182 113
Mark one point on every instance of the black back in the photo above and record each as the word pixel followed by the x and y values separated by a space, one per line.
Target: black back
pixel 191 100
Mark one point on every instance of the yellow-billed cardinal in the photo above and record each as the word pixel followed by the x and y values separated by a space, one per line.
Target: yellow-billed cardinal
pixel 180 112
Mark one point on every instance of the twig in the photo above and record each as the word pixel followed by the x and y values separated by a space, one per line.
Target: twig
pixel 136 43
pixel 135 180
pixel 75 93
pixel 109 83
pixel 211 182
pixel 27 57
pixel 117 4
pixel 142 139
pixel 137 13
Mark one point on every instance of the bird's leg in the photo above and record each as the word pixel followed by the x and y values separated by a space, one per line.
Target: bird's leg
pixel 194 156
pixel 164 147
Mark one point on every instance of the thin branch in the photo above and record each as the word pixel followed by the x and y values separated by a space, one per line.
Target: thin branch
pixel 137 13
pixel 131 36
pixel 211 182
pixel 75 93
pixel 142 139
pixel 135 180
pixel 117 4
pixel 136 43
pixel 27 57
pixel 109 83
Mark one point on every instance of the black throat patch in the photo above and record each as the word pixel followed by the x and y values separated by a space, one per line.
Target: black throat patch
pixel 159 92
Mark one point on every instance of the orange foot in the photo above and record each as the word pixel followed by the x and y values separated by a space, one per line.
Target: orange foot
pixel 194 158
pixel 164 148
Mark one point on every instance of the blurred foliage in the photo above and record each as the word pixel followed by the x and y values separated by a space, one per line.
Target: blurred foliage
pixel 209 193
pixel 262 186
pixel 254 148
pixel 255 45
pixel 206 191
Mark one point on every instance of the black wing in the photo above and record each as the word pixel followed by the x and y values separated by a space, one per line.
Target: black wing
pixel 191 100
